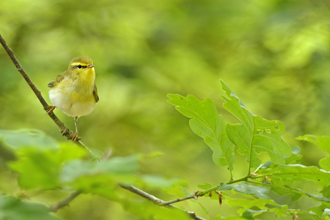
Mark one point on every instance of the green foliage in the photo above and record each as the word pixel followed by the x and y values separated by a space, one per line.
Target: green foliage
pixel 322 142
pixel 297 172
pixel 15 209
pixel 258 191
pixel 52 166
pixel 208 124
pixel 28 138
pixel 252 137
pixel 41 168
pixel 273 54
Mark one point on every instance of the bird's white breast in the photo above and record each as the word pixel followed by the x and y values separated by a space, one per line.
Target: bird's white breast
pixel 72 100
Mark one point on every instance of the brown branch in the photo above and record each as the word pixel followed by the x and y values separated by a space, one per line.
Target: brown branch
pixel 65 202
pixel 64 130
pixel 31 84
pixel 192 196
pixel 158 201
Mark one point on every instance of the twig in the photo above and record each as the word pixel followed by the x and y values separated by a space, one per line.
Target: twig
pixel 192 196
pixel 65 202
pixel 156 200
pixel 89 150
pixel 107 154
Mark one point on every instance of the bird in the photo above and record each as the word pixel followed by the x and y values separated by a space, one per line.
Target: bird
pixel 74 91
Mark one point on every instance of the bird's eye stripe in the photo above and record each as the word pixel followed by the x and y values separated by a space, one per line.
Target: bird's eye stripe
pixel 81 66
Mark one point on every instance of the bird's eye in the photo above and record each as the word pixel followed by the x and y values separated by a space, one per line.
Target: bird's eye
pixel 79 66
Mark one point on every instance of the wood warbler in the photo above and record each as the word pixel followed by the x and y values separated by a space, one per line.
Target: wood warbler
pixel 74 91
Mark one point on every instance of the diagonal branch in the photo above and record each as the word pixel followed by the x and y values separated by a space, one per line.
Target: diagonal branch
pixel 65 202
pixel 64 130
pixel 158 201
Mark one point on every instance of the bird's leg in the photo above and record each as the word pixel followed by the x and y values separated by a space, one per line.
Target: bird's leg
pixel 51 109
pixel 75 136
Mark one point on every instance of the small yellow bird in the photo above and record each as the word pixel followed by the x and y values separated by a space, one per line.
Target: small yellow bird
pixel 74 91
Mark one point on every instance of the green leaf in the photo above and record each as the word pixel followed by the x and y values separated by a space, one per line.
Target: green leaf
pixel 116 166
pixel 229 218
pixel 208 124
pixel 325 163
pixel 250 214
pixel 295 156
pixel 204 186
pixel 311 214
pixel 15 209
pixel 319 210
pixel 255 135
pixel 326 191
pixel 158 181
pixel 146 210
pixel 163 213
pixel 326 212
pixel 27 138
pixel 322 142
pixel 41 168
pixel 247 204
pixel 280 211
pixel 258 191
pixel 102 177
pixel 296 193
pixel 297 172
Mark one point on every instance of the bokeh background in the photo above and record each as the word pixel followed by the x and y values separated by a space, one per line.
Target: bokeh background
pixel 273 54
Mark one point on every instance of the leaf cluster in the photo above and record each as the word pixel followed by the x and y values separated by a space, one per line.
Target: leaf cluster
pixel 44 165
pixel 254 137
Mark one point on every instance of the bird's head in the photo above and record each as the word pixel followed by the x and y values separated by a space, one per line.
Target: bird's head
pixel 83 68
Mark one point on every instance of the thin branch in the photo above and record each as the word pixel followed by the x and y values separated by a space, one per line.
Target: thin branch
pixel 64 130
pixel 65 202
pixel 89 150
pixel 20 69
pixel 143 194
pixel 192 196
pixel 156 200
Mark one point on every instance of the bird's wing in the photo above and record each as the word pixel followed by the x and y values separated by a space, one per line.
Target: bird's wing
pixel 57 80
pixel 95 94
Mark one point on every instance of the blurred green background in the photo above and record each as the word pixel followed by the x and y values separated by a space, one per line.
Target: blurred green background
pixel 273 54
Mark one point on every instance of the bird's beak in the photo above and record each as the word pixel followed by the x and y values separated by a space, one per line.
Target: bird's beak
pixel 90 66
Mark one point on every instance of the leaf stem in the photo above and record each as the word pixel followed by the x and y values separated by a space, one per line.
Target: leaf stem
pixel 245 178
pixel 65 202
pixel 201 193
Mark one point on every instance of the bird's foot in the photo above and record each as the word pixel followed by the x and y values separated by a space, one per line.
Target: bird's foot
pixel 75 137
